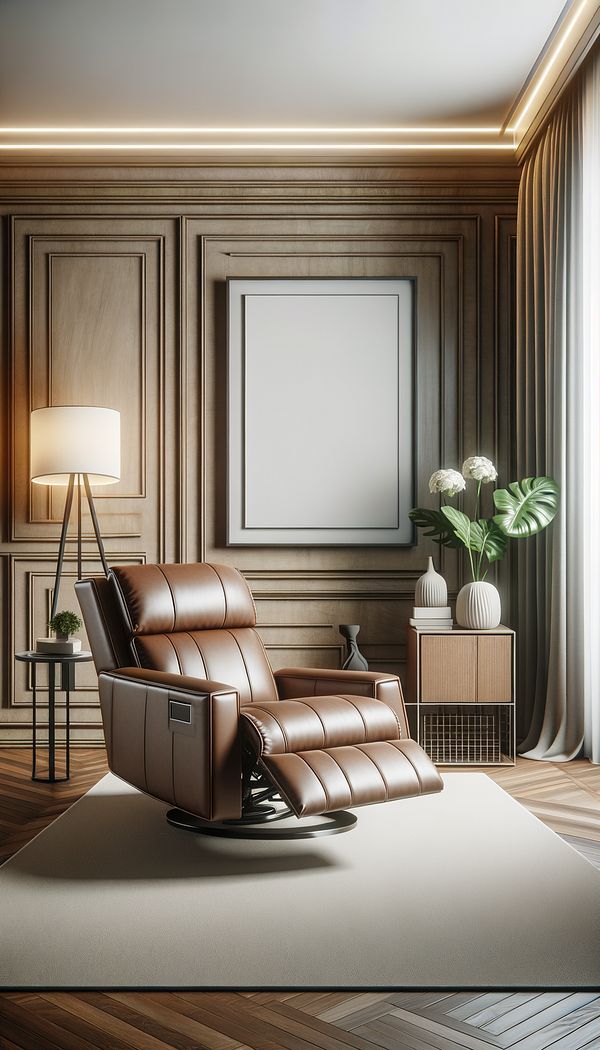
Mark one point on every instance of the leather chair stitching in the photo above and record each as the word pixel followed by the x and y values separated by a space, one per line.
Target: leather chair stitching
pixel 282 729
pixel 218 575
pixel 324 744
pixel 247 714
pixel 319 778
pixel 172 593
pixel 395 714
pixel 112 711
pixel 121 598
pixel 200 653
pixel 144 738
pixel 271 776
pixel 102 615
pixel 393 743
pixel 174 647
pixel 352 704
pixel 251 721
pixel 267 661
pixel 230 632
pixel 361 747
pixel 344 774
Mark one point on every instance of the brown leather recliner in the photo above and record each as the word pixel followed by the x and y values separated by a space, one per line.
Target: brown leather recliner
pixel 193 714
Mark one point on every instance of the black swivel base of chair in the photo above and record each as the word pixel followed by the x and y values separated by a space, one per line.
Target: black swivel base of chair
pixel 256 823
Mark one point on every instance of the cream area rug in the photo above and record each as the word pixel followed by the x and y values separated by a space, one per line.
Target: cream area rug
pixel 464 889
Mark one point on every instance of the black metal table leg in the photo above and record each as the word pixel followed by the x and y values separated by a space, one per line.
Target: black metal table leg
pixel 51 722
pixel 66 682
pixel 34 711
pixel 68 727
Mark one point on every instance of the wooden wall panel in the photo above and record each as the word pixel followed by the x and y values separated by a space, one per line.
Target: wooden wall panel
pixel 89 313
pixel 116 288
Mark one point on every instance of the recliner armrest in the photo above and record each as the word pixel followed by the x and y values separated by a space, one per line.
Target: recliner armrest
pixel 174 737
pixel 296 682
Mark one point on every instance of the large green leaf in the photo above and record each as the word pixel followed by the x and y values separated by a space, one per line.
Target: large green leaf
pixel 462 526
pixel 489 538
pixel 526 507
pixel 439 528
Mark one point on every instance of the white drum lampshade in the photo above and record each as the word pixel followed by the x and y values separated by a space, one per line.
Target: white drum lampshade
pixel 77 446
pixel 75 439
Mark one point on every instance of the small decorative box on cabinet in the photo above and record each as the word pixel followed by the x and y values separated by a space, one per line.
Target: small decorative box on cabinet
pixel 461 695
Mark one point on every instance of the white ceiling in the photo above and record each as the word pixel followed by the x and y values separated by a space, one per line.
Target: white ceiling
pixel 232 63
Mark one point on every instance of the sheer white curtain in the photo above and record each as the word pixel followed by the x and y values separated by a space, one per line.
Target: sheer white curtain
pixel 558 425
pixel 590 421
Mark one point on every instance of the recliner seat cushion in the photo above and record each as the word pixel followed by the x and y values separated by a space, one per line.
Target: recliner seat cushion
pixel 317 722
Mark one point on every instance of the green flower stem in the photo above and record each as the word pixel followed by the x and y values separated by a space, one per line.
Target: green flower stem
pixel 479 576
pixel 472 566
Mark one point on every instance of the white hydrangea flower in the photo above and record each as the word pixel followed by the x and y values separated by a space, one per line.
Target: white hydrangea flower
pixel 450 482
pixel 479 468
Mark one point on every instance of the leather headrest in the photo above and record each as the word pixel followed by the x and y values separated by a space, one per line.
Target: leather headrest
pixel 163 599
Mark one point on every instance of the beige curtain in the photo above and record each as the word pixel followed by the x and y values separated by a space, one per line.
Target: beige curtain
pixel 557 610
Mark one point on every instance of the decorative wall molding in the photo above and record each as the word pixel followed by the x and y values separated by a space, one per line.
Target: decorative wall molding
pixel 451 226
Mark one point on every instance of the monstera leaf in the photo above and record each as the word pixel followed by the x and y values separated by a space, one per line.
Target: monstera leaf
pixel 482 535
pixel 439 528
pixel 489 538
pixel 526 507
pixel 462 527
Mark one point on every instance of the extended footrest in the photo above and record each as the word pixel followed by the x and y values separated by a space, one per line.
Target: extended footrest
pixel 324 753
pixel 335 778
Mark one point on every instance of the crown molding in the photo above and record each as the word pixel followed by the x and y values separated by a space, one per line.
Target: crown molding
pixel 358 142
pixel 573 37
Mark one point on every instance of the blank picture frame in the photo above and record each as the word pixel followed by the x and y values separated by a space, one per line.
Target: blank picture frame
pixel 320 411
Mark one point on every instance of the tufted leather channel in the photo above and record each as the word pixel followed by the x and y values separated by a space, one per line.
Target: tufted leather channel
pixel 293 682
pixel 324 780
pixel 317 722
pixel 236 656
pixel 161 599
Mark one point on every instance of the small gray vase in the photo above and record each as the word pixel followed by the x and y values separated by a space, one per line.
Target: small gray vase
pixel 355 660
pixel 431 591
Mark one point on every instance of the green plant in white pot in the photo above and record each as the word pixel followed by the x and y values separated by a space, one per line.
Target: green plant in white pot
pixel 64 624
pixel 524 509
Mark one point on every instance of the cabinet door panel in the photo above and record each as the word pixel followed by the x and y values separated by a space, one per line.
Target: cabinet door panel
pixel 494 668
pixel 448 669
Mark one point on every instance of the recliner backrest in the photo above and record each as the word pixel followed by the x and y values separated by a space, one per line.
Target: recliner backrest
pixel 195 620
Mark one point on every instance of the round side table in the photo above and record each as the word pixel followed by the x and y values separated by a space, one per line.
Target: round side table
pixel 66 662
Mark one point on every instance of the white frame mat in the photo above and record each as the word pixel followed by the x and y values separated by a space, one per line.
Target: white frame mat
pixel 320 411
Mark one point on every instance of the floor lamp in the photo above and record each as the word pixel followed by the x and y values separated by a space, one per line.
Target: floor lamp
pixel 77 446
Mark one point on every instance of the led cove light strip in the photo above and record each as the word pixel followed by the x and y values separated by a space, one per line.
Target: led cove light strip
pixel 549 65
pixel 424 130
pixel 71 146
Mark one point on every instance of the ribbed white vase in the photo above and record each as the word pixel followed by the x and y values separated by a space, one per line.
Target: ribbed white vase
pixel 431 590
pixel 478 606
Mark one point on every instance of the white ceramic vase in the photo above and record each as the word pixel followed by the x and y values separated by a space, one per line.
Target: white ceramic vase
pixel 431 590
pixel 478 606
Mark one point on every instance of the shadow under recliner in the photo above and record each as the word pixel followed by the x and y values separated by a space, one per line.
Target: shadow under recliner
pixel 194 716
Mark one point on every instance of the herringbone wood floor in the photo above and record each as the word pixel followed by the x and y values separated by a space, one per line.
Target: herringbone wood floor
pixel 566 797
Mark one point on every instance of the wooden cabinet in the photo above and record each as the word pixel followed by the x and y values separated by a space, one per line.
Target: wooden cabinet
pixel 461 694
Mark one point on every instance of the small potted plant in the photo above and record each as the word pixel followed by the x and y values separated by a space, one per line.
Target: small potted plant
pixel 64 625
pixel 523 509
